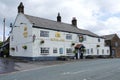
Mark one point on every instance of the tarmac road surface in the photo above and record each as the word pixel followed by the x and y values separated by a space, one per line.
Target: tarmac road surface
pixel 101 69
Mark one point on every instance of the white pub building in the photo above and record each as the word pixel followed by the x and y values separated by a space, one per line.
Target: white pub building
pixel 37 38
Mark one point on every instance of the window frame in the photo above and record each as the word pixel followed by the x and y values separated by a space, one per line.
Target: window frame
pixel 44 50
pixel 69 36
pixel 55 50
pixel 44 33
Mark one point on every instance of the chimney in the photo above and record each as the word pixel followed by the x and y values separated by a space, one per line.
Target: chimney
pixel 58 18
pixel 21 8
pixel 74 22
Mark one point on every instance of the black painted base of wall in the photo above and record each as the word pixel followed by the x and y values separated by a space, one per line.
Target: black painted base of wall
pixel 46 58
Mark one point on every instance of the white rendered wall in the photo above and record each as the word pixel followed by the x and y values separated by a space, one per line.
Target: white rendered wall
pixel 18 37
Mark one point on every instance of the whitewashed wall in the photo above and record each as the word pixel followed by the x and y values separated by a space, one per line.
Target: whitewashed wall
pixel 33 48
pixel 18 37
pixel 52 43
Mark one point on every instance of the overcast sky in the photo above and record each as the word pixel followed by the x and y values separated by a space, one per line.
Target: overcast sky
pixel 99 16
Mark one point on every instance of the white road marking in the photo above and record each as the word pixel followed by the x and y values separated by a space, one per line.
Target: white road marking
pixel 84 79
pixel 77 72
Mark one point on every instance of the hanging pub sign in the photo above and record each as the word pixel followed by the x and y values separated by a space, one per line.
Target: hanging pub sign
pixel 81 38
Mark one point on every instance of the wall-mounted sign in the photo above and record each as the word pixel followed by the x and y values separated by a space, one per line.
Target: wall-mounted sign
pixel 25 28
pixel 81 38
pixel 25 33
pixel 57 35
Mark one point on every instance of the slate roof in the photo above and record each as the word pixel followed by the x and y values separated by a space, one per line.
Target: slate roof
pixel 54 25
pixel 108 37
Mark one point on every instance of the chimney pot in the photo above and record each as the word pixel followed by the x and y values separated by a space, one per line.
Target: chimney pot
pixel 58 18
pixel 74 21
pixel 21 8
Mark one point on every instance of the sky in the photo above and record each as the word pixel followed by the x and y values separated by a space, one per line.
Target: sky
pixel 101 17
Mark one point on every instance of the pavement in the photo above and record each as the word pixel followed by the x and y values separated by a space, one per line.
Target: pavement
pixel 8 65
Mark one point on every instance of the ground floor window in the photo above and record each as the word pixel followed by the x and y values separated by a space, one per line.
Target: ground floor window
pixel 55 50
pixel 87 51
pixel 97 51
pixel 44 50
pixel 61 50
pixel 107 51
pixel 102 51
pixel 68 50
pixel 91 50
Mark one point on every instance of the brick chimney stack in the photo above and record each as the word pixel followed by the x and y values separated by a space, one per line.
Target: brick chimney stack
pixel 74 22
pixel 21 8
pixel 58 18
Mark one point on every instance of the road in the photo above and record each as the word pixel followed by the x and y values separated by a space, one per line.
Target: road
pixel 101 69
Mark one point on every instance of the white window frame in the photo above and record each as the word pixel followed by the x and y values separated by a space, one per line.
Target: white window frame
pixel 44 50
pixel 44 33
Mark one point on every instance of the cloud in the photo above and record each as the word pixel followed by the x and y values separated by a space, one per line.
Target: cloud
pixel 98 16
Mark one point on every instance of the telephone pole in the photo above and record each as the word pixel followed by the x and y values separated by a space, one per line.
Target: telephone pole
pixel 3 30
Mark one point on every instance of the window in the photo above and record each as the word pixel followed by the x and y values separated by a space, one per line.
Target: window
pixel 44 50
pixel 68 36
pixel 61 50
pixel 92 50
pixel 97 51
pixel 98 39
pixel 44 34
pixel 107 51
pixel 84 37
pixel 68 50
pixel 102 51
pixel 88 51
pixel 54 50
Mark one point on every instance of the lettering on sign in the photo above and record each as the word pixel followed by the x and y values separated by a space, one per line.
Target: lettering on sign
pixel 55 39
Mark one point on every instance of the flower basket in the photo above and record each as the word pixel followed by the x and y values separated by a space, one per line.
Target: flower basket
pixel 98 45
pixel 72 44
pixel 83 50
pixel 12 48
pixel 24 47
pixel 42 41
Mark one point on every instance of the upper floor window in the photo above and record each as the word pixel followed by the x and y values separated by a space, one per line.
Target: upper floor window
pixel 44 34
pixel 68 36
pixel 84 37
pixel 116 44
pixel 98 39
